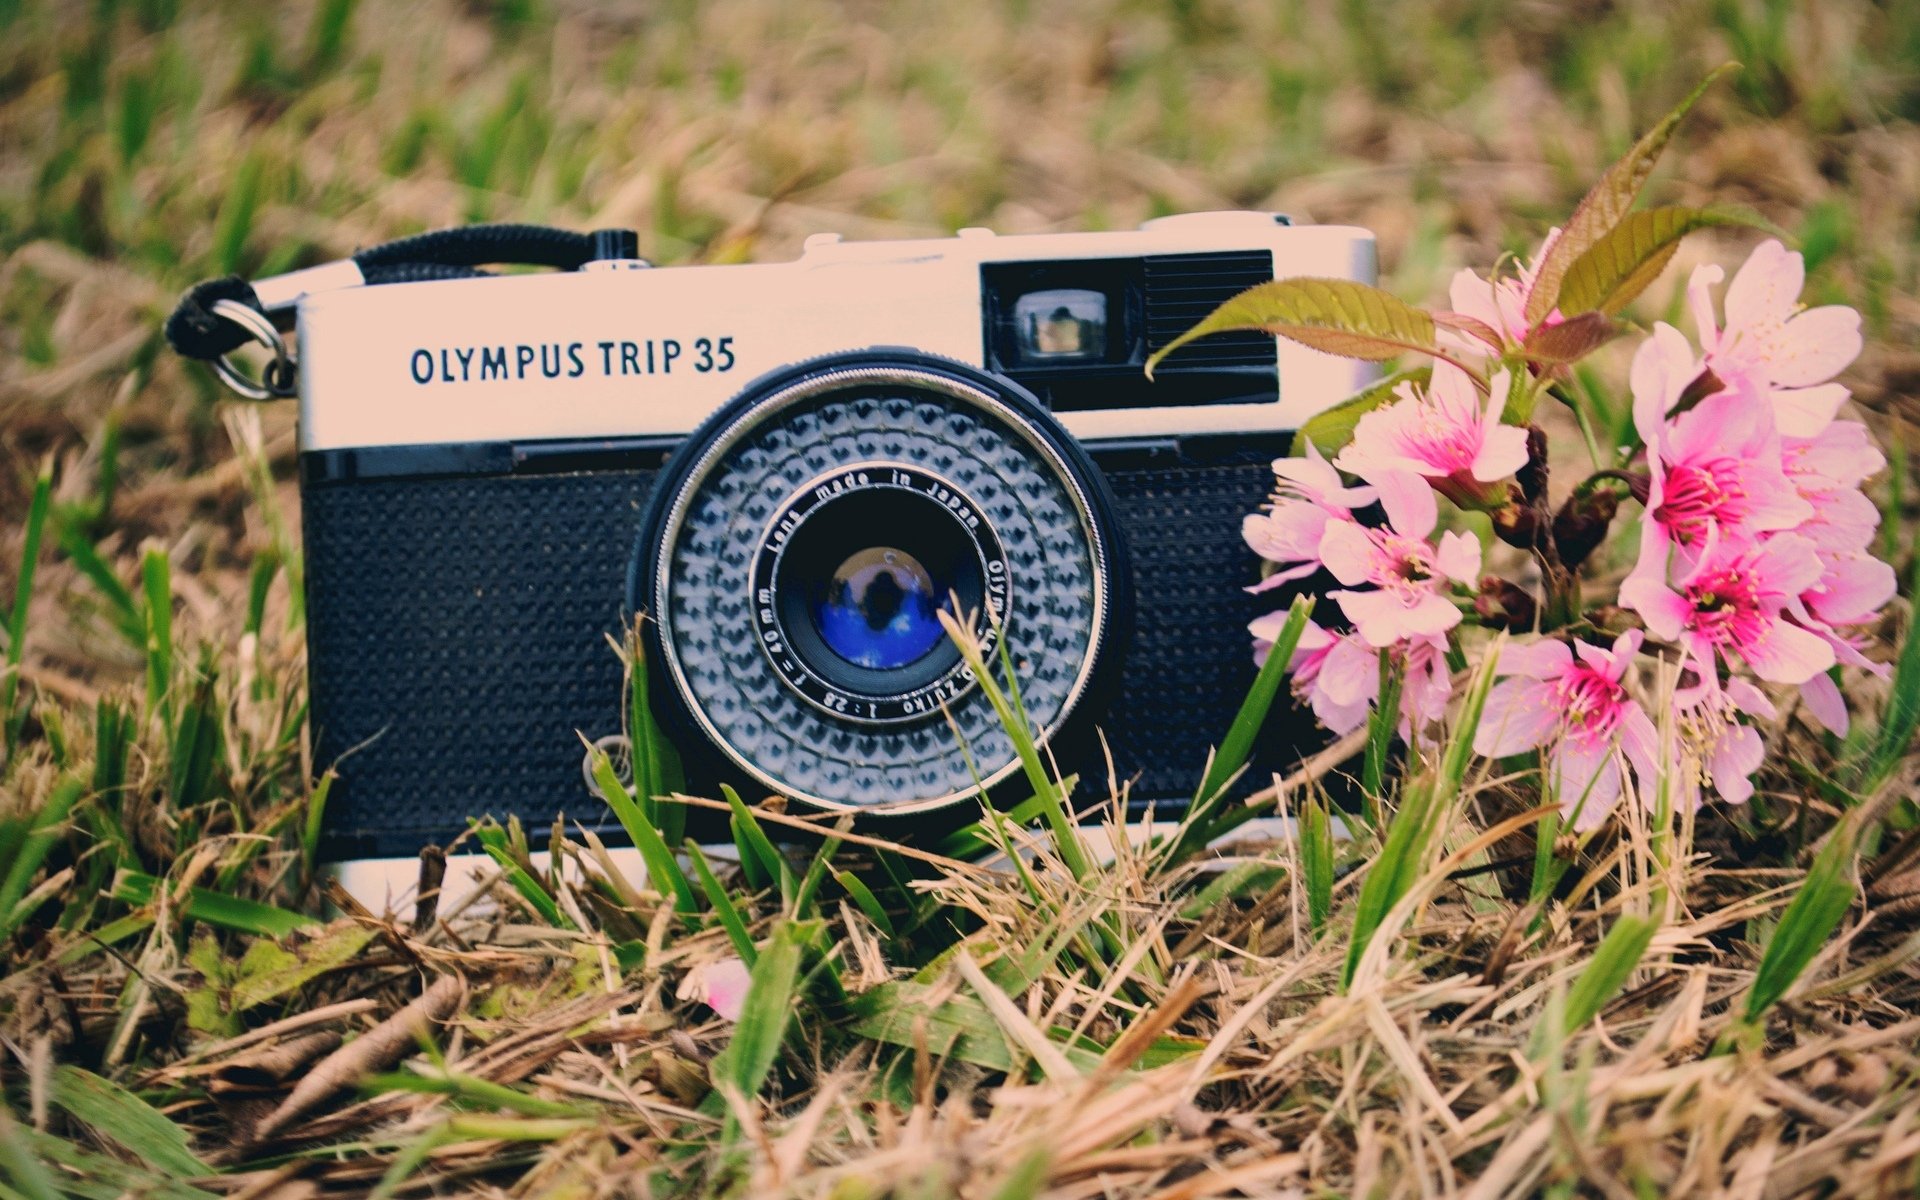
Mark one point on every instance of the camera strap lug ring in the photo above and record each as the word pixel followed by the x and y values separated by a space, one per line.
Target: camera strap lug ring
pixel 277 381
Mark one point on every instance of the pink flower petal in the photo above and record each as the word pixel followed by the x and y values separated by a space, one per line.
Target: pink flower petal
pixel 1586 782
pixel 722 986
pixel 1736 755
pixel 1347 552
pixel 1787 654
pixel 1409 502
pixel 1766 288
pixel 1519 716
pixel 1351 673
pixel 1804 412
pixel 1459 556
pixel 1547 658
pixel 1824 703
pixel 1664 610
pixel 1814 346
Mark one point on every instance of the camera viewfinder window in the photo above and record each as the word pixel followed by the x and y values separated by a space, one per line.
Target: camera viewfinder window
pixel 1061 325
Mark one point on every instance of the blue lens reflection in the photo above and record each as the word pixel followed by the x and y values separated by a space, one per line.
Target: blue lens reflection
pixel 879 609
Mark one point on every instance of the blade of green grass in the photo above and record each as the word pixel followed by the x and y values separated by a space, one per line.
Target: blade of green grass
pixel 1607 971
pixel 750 1054
pixel 39 839
pixel 1815 911
pixel 493 839
pixel 723 905
pixel 22 599
pixel 157 583
pixel 226 912
pixel 664 874
pixel 1316 858
pixel 866 901
pixel 753 840
pixel 1046 789
pixel 1196 829
pixel 126 1120
pixel 1413 829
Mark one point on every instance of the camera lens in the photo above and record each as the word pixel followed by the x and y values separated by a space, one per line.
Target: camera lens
pixel 799 549
pixel 878 609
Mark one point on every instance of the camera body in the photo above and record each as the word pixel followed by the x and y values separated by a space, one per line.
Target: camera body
pixel 786 467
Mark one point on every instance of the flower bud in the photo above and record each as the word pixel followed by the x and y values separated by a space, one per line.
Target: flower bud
pixel 1505 604
pixel 1582 523
pixel 1516 525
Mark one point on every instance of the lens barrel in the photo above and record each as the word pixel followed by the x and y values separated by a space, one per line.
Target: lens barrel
pixel 797 550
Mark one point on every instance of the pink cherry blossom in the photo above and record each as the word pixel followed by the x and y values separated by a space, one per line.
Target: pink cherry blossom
pixel 1770 350
pixel 1409 576
pixel 1572 702
pixel 1721 753
pixel 1826 471
pixel 1307 495
pixel 1445 433
pixel 1715 469
pixel 1733 602
pixel 1338 674
pixel 1499 304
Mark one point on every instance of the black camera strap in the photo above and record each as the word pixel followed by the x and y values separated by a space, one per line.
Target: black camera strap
pixel 218 316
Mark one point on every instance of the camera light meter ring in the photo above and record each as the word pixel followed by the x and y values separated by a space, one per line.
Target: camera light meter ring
pixel 892 693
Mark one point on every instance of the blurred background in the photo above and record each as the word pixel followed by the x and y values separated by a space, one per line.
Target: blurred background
pixel 145 144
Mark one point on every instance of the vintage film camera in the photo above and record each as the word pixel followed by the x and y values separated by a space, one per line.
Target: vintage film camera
pixel 788 468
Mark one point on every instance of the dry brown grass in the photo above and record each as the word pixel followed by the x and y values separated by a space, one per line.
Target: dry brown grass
pixel 142 147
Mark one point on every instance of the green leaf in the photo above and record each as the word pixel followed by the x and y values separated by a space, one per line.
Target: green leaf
pixel 126 1120
pixel 1337 316
pixel 1607 971
pixel 750 1055
pixel 1331 429
pixel 1571 340
pixel 1630 256
pixel 1606 203
pixel 266 972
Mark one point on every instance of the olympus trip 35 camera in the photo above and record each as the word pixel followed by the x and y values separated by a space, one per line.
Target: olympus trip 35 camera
pixel 786 471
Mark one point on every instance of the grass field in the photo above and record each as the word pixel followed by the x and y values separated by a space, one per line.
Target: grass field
pixel 1726 1002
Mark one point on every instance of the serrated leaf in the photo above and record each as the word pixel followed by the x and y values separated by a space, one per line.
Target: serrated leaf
pixel 1338 316
pixel 1631 255
pixel 1331 429
pixel 1606 203
pixel 1571 340
pixel 1473 327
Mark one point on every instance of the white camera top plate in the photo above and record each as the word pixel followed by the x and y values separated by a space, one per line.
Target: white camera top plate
pixel 650 353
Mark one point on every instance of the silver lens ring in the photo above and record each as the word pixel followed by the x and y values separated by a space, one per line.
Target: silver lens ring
pixel 714 511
